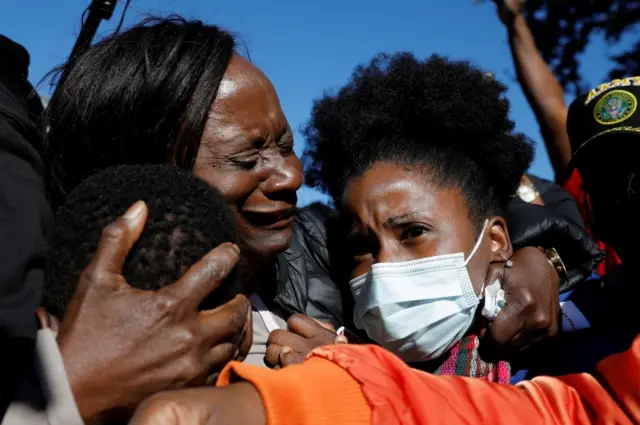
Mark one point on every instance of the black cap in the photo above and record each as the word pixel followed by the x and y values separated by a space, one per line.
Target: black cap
pixel 607 115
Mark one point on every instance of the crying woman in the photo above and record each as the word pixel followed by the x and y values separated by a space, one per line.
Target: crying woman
pixel 426 162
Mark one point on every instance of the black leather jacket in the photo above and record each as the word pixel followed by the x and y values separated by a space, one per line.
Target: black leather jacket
pixel 308 278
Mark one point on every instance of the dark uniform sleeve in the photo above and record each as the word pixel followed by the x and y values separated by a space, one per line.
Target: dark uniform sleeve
pixel 552 226
pixel 558 200
pixel 25 218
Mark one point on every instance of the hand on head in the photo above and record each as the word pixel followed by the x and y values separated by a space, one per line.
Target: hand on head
pixel 121 345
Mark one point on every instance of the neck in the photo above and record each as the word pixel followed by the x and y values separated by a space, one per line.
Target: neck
pixel 255 274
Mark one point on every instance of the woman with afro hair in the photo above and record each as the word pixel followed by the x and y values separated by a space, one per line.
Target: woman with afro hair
pixel 422 160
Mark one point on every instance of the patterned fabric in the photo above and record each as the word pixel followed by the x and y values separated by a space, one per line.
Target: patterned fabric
pixel 463 360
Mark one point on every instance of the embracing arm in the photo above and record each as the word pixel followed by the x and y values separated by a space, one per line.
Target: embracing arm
pixel 534 225
pixel 356 385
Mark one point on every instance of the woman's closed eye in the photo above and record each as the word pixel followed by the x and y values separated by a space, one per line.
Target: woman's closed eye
pixel 245 161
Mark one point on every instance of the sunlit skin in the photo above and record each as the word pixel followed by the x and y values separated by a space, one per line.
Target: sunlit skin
pixel 397 214
pixel 247 154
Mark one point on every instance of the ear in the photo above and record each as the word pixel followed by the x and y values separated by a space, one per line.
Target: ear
pixel 501 248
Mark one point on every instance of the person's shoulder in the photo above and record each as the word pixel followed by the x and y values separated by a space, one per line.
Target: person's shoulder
pixel 316 212
pixel 312 222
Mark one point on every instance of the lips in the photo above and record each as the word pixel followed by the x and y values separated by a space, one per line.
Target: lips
pixel 271 219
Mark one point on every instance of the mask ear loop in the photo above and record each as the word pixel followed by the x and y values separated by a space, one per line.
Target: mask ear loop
pixel 478 242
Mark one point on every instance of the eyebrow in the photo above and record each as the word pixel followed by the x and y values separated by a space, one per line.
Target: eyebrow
pixel 391 221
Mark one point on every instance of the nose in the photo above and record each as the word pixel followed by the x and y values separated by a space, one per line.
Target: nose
pixel 284 178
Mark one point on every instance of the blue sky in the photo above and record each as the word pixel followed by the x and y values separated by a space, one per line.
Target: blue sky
pixel 307 47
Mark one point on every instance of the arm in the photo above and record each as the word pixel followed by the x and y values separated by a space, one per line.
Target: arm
pixel 533 225
pixel 367 385
pixel 558 200
pixel 542 90
pixel 24 222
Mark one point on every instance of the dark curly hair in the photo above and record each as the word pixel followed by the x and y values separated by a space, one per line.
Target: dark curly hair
pixel 141 96
pixel 187 219
pixel 442 114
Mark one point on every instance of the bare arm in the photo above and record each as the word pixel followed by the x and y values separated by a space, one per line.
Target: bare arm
pixel 541 88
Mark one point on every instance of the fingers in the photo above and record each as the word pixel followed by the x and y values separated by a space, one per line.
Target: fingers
pixel 341 339
pixel 506 326
pixel 117 240
pixel 247 338
pixel 285 338
pixel 282 356
pixel 327 326
pixel 219 355
pixel 227 323
pixel 307 327
pixel 288 357
pixel 272 355
pixel 206 275
pixel 522 320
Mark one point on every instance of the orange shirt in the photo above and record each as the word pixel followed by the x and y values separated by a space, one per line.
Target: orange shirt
pixel 364 384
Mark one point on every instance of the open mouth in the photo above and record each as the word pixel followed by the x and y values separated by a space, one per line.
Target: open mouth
pixel 273 219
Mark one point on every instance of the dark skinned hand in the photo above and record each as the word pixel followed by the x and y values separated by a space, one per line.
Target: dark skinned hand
pixel 508 10
pixel 234 404
pixel 121 345
pixel 531 312
pixel 286 348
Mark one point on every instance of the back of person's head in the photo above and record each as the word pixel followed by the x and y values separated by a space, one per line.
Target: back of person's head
pixel 141 96
pixel 441 114
pixel 187 218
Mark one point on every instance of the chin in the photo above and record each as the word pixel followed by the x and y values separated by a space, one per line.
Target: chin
pixel 264 245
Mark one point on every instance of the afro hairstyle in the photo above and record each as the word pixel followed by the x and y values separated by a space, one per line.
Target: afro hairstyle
pixel 445 116
pixel 187 218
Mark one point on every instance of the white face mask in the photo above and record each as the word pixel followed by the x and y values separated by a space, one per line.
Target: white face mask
pixel 417 309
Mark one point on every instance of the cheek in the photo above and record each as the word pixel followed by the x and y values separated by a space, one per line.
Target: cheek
pixel 360 267
pixel 236 186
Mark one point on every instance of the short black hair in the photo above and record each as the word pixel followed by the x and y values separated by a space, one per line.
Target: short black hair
pixel 444 114
pixel 187 219
pixel 141 96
